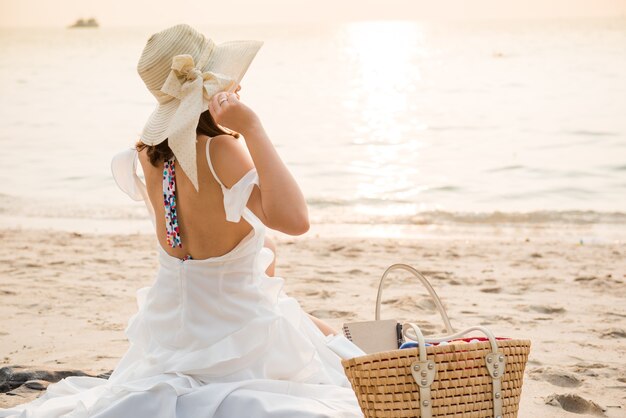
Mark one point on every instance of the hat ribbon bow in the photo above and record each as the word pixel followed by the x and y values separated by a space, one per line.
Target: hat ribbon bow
pixel 186 76
pixel 194 88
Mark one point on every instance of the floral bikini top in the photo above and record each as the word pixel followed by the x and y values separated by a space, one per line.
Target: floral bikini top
pixel 169 200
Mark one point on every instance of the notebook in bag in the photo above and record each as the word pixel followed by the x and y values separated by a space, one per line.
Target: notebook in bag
pixel 374 336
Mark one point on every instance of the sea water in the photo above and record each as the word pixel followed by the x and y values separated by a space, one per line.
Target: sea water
pixel 381 122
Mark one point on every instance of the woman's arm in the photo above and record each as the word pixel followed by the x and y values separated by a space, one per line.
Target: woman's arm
pixel 323 326
pixel 281 196
pixel 280 203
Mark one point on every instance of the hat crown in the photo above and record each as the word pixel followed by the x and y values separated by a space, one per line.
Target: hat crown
pixel 156 58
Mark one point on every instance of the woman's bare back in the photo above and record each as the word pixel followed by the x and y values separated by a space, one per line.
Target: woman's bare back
pixel 202 223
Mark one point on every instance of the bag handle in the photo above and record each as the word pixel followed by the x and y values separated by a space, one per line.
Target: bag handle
pixel 419 337
pixel 431 291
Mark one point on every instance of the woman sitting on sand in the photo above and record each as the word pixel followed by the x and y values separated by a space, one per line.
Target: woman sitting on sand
pixel 215 334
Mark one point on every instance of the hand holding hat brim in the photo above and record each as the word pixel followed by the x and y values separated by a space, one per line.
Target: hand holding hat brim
pixel 228 111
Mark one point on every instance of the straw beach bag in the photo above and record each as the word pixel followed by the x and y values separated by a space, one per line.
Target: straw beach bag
pixel 469 380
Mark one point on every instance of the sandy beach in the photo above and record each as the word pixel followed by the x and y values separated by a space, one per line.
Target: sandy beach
pixel 65 299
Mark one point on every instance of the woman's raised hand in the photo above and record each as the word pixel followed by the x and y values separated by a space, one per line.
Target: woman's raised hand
pixel 228 111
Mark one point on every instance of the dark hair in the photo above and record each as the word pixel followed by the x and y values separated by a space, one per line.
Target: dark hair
pixel 162 151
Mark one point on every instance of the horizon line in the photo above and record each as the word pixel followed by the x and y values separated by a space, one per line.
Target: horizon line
pixel 331 22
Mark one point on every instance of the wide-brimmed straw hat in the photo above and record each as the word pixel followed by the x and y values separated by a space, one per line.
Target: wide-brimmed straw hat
pixel 183 69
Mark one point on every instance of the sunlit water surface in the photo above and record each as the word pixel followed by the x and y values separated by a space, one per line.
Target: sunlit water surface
pixel 407 123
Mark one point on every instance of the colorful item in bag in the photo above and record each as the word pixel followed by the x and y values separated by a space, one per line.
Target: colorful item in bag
pixel 412 344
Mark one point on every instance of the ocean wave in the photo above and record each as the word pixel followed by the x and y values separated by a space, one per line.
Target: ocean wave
pixel 328 211
pixel 438 217
pixel 513 167
pixel 586 132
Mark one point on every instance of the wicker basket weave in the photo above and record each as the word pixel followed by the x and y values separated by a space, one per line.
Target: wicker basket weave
pixel 462 384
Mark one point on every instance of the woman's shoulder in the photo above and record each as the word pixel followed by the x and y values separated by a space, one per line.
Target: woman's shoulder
pixel 223 146
pixel 217 138
pixel 230 158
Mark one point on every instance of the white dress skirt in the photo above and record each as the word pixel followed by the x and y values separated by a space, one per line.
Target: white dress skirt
pixel 216 337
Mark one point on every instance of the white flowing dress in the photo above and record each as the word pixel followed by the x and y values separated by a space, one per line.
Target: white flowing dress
pixel 215 337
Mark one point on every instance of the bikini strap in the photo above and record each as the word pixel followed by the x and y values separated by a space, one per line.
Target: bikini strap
pixel 169 200
pixel 208 159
